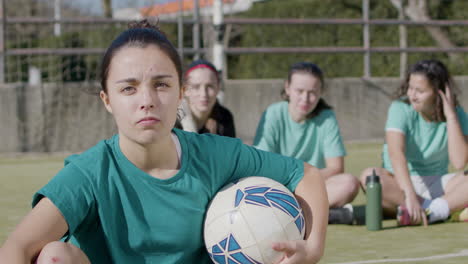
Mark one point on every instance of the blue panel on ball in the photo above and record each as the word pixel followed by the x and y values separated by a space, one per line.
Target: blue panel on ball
pixel 298 223
pixel 282 195
pixel 216 249
pixel 230 261
pixel 239 196
pixel 258 199
pixel 252 190
pixel 233 245
pixel 223 243
pixel 220 259
pixel 285 206
pixel 242 258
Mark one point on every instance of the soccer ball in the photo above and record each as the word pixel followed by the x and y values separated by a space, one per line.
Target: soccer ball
pixel 247 216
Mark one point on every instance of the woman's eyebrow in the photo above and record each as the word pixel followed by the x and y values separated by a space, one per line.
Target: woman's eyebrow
pixel 153 78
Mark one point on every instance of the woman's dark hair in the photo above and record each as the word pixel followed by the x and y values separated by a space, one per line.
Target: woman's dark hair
pixel 314 70
pixel 201 63
pixel 438 77
pixel 140 34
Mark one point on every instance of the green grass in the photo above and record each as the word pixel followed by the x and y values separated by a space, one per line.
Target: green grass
pixel 20 177
pixel 355 243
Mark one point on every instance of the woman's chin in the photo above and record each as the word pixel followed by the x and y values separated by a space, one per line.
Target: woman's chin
pixel 416 108
pixel 204 108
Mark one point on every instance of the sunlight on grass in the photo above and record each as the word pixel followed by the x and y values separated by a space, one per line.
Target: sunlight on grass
pixel 22 176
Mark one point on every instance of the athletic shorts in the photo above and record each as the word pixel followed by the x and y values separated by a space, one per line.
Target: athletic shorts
pixel 431 187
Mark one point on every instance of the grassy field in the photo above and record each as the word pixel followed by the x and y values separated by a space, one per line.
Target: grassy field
pixel 441 243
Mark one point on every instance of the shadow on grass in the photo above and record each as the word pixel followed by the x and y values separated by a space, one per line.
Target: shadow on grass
pixel 359 213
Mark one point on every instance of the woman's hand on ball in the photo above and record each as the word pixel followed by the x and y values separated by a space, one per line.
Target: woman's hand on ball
pixel 298 252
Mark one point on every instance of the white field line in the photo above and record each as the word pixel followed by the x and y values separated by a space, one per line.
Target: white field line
pixel 463 253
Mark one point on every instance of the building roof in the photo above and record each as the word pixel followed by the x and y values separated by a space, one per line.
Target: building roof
pixel 173 7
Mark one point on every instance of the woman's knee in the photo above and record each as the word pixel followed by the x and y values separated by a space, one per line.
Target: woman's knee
pixel 60 253
pixel 370 171
pixel 351 184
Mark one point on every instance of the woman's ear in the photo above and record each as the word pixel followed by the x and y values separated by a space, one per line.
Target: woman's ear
pixel 286 88
pixel 105 99
pixel 183 91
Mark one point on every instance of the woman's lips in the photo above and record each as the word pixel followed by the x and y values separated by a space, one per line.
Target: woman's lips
pixel 148 121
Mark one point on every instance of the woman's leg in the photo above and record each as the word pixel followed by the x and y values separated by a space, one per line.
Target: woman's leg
pixel 62 253
pixel 456 192
pixel 392 195
pixel 341 189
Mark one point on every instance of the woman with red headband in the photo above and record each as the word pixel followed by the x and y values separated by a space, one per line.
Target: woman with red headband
pixel 203 113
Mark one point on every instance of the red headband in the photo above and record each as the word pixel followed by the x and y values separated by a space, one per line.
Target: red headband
pixel 199 66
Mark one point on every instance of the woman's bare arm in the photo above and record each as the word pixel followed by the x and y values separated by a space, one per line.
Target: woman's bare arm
pixel 42 225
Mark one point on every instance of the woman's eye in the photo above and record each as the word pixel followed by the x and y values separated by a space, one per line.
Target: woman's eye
pixel 128 89
pixel 161 85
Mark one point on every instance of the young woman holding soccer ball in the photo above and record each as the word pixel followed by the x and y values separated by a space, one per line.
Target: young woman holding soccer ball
pixel 426 130
pixel 141 196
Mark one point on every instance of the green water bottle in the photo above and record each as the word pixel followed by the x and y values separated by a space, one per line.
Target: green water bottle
pixel 374 202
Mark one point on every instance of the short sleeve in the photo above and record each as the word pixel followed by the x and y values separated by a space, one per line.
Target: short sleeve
pixel 463 119
pixel 71 192
pixel 249 161
pixel 333 143
pixel 397 118
pixel 265 135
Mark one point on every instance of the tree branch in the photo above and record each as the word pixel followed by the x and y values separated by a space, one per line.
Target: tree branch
pixel 417 10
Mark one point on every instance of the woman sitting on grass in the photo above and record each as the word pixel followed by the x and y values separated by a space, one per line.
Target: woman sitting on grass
pixel 305 127
pixel 426 130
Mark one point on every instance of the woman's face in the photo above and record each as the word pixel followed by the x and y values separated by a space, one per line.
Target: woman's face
pixel 304 92
pixel 421 94
pixel 143 93
pixel 201 90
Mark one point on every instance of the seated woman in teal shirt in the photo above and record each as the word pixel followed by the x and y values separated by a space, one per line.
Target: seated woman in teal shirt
pixel 426 130
pixel 305 127
pixel 141 196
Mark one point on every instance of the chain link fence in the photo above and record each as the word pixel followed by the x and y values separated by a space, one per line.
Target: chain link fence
pixel 48 100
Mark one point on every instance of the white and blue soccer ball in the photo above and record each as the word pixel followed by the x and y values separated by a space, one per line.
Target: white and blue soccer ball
pixel 247 216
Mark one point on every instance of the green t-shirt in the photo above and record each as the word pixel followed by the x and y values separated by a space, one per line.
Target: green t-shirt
pixel 313 141
pixel 117 213
pixel 426 145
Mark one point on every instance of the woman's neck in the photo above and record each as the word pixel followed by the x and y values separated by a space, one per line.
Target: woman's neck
pixel 161 155
pixel 428 117
pixel 200 118
pixel 300 119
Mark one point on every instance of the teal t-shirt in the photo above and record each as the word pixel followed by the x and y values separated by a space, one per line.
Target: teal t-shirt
pixel 313 141
pixel 426 144
pixel 117 213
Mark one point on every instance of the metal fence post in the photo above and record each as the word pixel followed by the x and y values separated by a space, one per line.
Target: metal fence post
pixel 180 30
pixel 218 24
pixel 57 16
pixel 366 36
pixel 196 30
pixel 2 41
pixel 403 41
pixel 218 47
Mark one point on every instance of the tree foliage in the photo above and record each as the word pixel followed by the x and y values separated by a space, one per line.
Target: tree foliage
pixel 247 66
pixel 338 64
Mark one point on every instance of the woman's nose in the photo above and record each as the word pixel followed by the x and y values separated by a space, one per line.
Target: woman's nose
pixel 147 101
pixel 204 91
